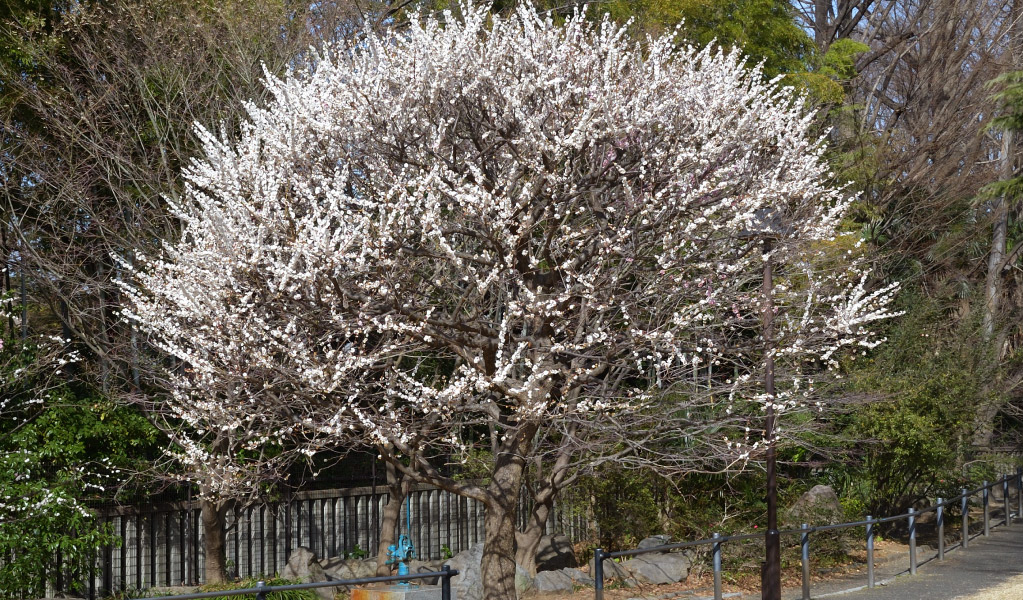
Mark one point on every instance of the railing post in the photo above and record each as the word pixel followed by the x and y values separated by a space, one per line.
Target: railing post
pixel 965 501
pixel 1019 492
pixel 598 574
pixel 912 541
pixel 870 552
pixel 717 568
pixel 940 516
pixel 1005 500
pixel 987 505
pixel 260 592
pixel 445 583
pixel 805 543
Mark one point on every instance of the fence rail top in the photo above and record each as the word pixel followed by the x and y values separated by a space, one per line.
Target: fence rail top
pixel 105 511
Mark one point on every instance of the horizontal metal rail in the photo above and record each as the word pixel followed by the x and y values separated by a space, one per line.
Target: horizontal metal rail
pixel 261 590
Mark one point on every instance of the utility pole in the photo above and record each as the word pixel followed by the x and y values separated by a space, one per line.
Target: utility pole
pixel 771 569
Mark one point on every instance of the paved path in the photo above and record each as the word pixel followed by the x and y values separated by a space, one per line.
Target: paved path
pixel 991 569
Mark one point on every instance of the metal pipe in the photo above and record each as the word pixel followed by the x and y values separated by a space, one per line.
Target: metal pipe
pixel 941 528
pixel 771 576
pixel 987 506
pixel 261 593
pixel 1005 500
pixel 870 552
pixel 717 568
pixel 1019 492
pixel 912 541
pixel 805 543
pixel 965 501
pixel 598 574
pixel 445 583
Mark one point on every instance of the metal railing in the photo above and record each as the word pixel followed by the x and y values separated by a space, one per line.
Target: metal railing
pixel 912 518
pixel 261 590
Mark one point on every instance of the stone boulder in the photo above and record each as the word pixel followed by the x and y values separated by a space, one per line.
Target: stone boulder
pixel 614 571
pixel 578 577
pixel 552 582
pixel 303 566
pixel 819 506
pixel 426 566
pixel 354 568
pixel 555 552
pixel 468 584
pixel 654 541
pixel 658 568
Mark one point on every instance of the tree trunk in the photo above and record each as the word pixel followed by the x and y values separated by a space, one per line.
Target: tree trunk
pixel 214 517
pixel 528 541
pixel 991 403
pixel 397 491
pixel 498 567
pixel 820 25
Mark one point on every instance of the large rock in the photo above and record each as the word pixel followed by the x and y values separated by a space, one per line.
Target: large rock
pixel 654 541
pixel 468 584
pixel 303 566
pixel 614 571
pixel 550 582
pixel 819 506
pixel 555 552
pixel 658 568
pixel 578 577
pixel 425 566
pixel 339 568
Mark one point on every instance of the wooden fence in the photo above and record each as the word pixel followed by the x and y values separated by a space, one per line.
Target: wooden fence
pixel 162 545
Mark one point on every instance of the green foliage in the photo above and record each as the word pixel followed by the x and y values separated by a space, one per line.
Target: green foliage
pixel 357 553
pixel 913 439
pixel 624 506
pixel 765 30
pixel 825 84
pixel 251 583
pixel 59 447
pixel 1009 97
pixel 839 62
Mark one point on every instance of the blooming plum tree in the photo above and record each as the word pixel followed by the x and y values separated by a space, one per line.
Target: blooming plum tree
pixel 509 237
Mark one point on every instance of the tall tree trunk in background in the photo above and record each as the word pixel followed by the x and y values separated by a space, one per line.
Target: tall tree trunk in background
pixel 993 399
pixel 991 403
pixel 397 491
pixel 820 24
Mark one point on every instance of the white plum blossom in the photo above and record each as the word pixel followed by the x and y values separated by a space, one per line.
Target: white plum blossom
pixel 501 232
